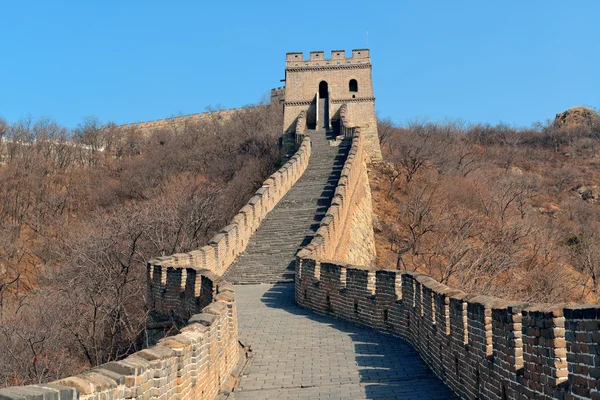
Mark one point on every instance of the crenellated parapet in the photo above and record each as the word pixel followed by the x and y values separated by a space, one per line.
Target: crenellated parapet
pixel 193 364
pixel 278 95
pixel 480 346
pixel 338 59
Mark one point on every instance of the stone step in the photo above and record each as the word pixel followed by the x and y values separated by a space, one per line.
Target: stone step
pixel 270 253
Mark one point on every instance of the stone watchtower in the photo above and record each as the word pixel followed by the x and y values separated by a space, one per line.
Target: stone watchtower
pixel 320 86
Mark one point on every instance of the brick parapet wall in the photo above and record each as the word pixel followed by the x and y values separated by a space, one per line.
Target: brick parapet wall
pixel 347 129
pixel 278 95
pixel 300 127
pixel 191 365
pixel 338 59
pixel 481 347
pixel 232 240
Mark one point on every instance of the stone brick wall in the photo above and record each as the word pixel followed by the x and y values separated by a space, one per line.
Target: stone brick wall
pixel 357 244
pixel 292 112
pixel 346 232
pixel 303 76
pixel 191 365
pixel 362 115
pixel 481 347
pixel 300 128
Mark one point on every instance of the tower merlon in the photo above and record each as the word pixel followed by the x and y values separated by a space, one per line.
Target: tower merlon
pixel 317 55
pixel 338 54
pixel 293 56
pixel 360 53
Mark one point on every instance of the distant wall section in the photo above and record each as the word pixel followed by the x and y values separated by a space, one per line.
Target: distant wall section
pixel 178 124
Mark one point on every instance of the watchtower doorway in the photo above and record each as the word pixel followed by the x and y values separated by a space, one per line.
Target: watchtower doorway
pixel 323 110
pixel 323 90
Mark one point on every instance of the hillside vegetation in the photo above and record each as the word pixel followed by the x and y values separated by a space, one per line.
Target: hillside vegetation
pixel 82 211
pixel 494 210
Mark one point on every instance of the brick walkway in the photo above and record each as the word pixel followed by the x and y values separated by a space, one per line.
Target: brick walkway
pixel 302 355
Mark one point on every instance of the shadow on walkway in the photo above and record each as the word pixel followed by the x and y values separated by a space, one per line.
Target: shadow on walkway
pixel 388 367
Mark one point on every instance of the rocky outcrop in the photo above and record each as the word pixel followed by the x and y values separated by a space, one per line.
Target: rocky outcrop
pixel 589 193
pixel 575 117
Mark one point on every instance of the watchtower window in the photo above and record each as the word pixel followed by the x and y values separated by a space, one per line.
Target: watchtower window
pixel 353 85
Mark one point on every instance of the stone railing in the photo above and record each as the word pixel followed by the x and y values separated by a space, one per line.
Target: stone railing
pixel 232 240
pixel 300 130
pixel 329 234
pixel 191 365
pixel 346 128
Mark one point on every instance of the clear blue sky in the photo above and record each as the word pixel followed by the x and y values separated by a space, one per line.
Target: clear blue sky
pixel 126 61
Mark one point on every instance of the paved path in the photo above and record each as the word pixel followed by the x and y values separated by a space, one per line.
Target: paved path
pixel 298 354
pixel 302 355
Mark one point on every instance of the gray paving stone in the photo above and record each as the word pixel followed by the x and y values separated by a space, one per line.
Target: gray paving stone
pixel 330 359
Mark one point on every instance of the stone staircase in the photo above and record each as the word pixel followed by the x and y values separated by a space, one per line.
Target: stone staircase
pixel 270 254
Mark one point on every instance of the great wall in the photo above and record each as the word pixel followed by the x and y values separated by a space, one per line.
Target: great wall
pixel 320 322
